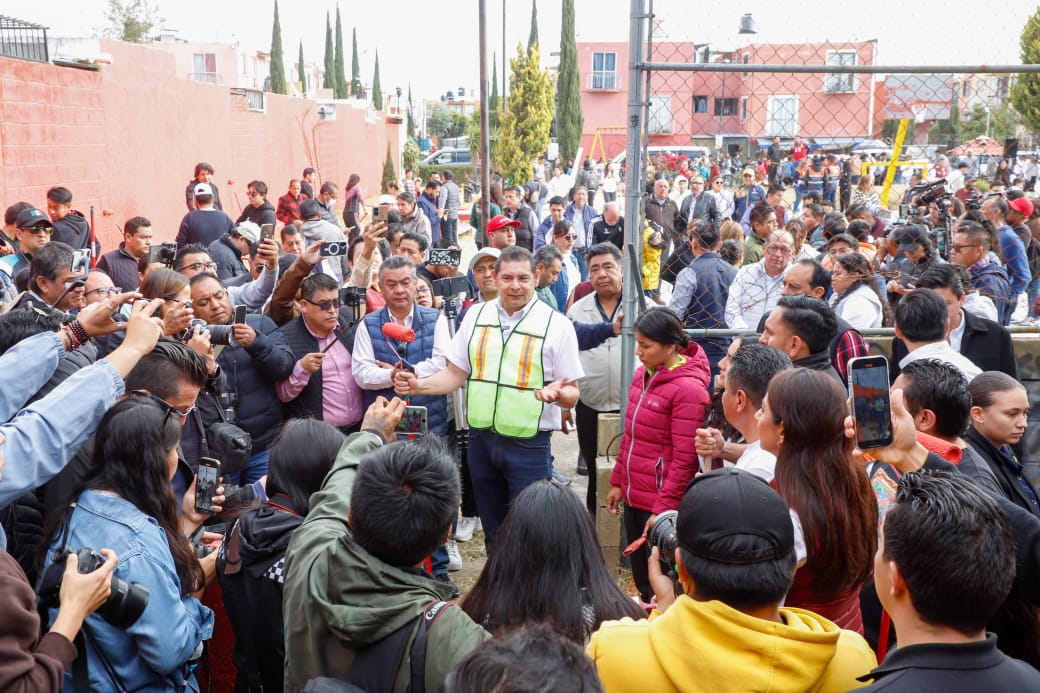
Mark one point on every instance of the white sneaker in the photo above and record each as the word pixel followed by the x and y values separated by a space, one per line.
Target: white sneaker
pixel 466 527
pixel 454 557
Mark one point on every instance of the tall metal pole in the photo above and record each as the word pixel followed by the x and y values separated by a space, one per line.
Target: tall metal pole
pixel 505 58
pixel 633 287
pixel 484 159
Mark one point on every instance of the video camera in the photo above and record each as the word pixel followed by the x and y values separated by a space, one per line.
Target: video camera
pixel 450 287
pixel 164 253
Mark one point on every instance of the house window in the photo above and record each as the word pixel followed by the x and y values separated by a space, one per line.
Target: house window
pixel 700 104
pixel 604 71
pixel 725 107
pixel 204 67
pixel 966 89
pixel 782 116
pixel 746 60
pixel 839 83
pixel 660 119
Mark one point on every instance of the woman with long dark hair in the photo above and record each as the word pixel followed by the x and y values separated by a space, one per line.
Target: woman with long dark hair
pixel 667 401
pixel 251 561
pixel 547 566
pixel 802 422
pixel 857 299
pixel 128 505
pixel 354 210
pixel 172 287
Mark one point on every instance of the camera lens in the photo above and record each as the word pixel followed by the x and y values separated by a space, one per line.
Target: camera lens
pixel 221 334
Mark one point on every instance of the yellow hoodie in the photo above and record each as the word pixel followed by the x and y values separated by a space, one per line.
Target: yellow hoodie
pixel 710 647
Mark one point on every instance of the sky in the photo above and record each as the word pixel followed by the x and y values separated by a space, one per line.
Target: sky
pixel 433 45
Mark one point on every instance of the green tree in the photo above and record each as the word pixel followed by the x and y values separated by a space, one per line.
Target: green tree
pixel 302 70
pixel 529 116
pixel 473 136
pixel 277 61
pixel 340 85
pixel 389 175
pixel 532 40
pixel 410 154
pixel 1025 93
pixel 493 97
pixel 1001 121
pixel 946 131
pixel 329 81
pixel 377 89
pixel 355 71
pixel 411 117
pixel 438 122
pixel 569 119
pixel 130 21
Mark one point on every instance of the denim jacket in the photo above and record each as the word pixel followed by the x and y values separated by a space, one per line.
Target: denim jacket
pixel 147 656
pixel 43 437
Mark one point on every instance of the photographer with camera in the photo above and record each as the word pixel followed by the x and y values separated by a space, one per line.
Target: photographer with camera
pixel 733 546
pixel 255 358
pixel 320 385
pixel 315 228
pixel 152 626
pixel 54 286
pixel 195 259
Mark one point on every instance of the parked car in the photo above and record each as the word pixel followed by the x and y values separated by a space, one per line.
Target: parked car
pixel 449 157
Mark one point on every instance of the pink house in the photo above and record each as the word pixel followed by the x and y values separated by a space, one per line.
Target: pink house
pixel 718 110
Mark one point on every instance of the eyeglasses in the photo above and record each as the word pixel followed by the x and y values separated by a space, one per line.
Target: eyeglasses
pixel 39 229
pixel 199 266
pixel 170 409
pixel 423 289
pixel 777 250
pixel 716 182
pixel 960 248
pixel 252 193
pixel 834 252
pixel 105 291
pixel 324 306
pixel 569 237
pixel 215 296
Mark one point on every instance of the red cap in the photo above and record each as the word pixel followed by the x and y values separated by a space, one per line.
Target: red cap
pixel 501 221
pixel 1022 205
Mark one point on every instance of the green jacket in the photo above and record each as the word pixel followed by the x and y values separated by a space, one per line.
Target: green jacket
pixel 338 597
pixel 754 249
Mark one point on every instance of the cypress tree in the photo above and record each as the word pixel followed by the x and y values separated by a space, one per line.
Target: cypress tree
pixel 377 95
pixel 340 85
pixel 277 61
pixel 302 70
pixel 389 175
pixel 355 71
pixel 329 82
pixel 1025 93
pixel 411 118
pixel 493 97
pixel 569 119
pixel 528 119
pixel 532 40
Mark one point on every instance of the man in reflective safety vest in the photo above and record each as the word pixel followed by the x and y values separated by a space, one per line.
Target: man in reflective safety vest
pixel 519 360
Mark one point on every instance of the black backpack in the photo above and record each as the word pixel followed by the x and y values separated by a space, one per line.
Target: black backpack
pixel 375 668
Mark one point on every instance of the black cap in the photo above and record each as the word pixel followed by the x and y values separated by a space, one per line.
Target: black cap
pixel 32 218
pixel 308 209
pixel 732 516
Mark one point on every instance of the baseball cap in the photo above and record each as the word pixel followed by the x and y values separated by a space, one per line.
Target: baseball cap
pixel 308 209
pixel 500 222
pixel 1022 205
pixel 202 189
pixel 912 236
pixel 249 231
pixel 32 218
pixel 482 253
pixel 732 516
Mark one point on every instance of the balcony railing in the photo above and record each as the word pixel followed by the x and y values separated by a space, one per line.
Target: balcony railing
pixel 23 40
pixel 603 81
pixel 207 77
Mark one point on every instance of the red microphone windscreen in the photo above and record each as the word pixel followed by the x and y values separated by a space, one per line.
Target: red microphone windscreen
pixel 398 332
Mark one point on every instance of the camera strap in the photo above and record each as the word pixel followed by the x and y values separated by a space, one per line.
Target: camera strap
pixel 80 675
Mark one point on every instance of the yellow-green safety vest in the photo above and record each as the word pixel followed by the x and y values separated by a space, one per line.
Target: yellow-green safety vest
pixel 504 375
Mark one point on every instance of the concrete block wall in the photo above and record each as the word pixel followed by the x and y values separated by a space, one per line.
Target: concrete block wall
pixel 126 139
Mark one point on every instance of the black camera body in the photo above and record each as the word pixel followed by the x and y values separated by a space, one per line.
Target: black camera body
pixel 162 252
pixel 352 296
pixel 124 605
pixel 662 535
pixel 218 334
pixel 450 286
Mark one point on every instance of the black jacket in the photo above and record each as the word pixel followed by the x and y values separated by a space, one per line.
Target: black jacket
pixel 251 569
pixel 264 214
pixel 1007 478
pixel 821 361
pixel 189 194
pixel 973 666
pixel 121 267
pixel 203 226
pixel 309 404
pixel 984 343
pixel 704 208
pixel 74 231
pixel 228 259
pixel 251 373
pixel 602 232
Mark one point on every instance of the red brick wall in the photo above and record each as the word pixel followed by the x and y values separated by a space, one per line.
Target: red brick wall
pixel 126 139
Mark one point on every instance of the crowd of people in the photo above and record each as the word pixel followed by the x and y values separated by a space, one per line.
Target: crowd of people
pixel 369 400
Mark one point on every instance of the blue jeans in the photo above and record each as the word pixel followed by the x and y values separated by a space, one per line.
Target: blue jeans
pixel 449 229
pixel 583 264
pixel 256 467
pixel 1032 291
pixel 439 558
pixel 502 467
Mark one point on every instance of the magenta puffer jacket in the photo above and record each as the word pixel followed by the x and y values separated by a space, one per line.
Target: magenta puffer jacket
pixel 658 456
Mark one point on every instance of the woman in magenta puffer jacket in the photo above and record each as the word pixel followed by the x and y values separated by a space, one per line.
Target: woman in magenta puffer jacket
pixel 666 404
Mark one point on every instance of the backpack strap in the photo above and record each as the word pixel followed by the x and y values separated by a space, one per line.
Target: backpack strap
pixel 429 616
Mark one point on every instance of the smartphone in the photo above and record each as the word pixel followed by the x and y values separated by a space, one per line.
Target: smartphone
pixel 266 231
pixel 412 425
pixel 80 261
pixel 449 257
pixel 206 482
pixel 239 315
pixel 333 248
pixel 871 401
pixel 381 212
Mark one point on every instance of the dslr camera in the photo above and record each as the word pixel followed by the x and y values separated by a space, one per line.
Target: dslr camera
pixel 124 605
pixel 164 253
pixel 218 334
pixel 662 535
